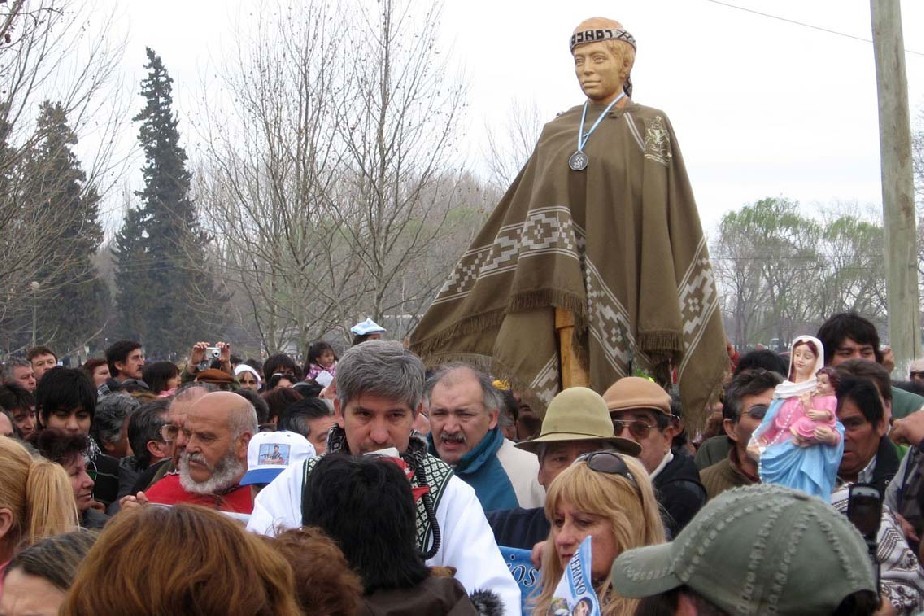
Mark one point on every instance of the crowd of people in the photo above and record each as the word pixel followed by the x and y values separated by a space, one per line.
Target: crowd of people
pixel 368 484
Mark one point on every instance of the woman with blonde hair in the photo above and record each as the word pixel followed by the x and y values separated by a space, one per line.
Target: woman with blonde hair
pixel 36 500
pixel 183 559
pixel 608 497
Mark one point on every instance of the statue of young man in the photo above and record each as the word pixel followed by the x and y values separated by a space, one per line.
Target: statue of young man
pixel 602 223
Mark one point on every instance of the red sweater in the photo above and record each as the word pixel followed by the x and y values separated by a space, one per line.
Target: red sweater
pixel 168 491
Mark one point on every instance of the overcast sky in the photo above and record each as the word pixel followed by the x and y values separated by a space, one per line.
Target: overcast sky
pixel 761 107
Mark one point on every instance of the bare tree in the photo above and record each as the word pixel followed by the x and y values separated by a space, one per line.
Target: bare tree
pixel 509 147
pixel 783 273
pixel 328 184
pixel 851 244
pixel 270 163
pixel 738 274
pixel 399 136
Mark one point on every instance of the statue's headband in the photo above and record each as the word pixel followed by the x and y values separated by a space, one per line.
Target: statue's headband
pixel 608 34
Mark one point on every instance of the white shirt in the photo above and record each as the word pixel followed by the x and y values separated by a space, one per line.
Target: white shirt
pixel 664 462
pixel 466 540
pixel 522 468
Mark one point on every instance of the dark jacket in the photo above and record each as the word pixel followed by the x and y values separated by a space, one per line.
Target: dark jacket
pixel 106 488
pixel 679 491
pixel 129 470
pixel 519 528
pixel 151 475
pixel 887 462
pixel 437 595
pixel 93 519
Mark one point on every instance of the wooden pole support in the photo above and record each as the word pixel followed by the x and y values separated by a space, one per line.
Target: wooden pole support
pixel 572 373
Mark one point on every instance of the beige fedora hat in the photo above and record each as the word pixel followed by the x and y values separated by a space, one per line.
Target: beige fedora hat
pixel 579 414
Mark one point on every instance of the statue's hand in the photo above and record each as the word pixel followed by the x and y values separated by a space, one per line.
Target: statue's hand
pixel 825 435
pixel 818 414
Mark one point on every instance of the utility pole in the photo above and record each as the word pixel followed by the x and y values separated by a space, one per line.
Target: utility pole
pixel 897 183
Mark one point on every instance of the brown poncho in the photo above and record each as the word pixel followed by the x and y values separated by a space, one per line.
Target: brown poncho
pixel 619 244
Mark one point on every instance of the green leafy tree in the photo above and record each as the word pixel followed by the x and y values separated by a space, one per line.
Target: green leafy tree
pixel 166 297
pixel 771 255
pixel 855 270
pixel 783 273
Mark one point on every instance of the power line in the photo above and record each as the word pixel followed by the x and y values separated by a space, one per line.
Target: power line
pixel 803 24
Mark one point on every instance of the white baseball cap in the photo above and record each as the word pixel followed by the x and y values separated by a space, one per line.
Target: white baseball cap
pixel 367 327
pixel 270 453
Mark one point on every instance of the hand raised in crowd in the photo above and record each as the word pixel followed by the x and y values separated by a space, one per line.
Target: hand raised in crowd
pixel 133 502
pixel 224 355
pixel 909 430
pixel 197 356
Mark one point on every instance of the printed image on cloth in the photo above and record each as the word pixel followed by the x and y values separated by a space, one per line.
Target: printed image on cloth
pixel 575 595
pixel 522 570
pixel 274 453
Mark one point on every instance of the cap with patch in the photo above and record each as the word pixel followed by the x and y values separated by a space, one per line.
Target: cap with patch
pixel 759 549
pixel 634 392
pixel 269 453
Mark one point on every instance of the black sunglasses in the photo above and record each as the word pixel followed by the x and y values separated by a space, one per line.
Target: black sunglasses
pixel 608 462
pixel 758 411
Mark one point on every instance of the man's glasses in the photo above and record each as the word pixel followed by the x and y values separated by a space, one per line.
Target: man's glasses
pixel 758 411
pixel 169 432
pixel 638 428
pixel 608 462
pixel 247 382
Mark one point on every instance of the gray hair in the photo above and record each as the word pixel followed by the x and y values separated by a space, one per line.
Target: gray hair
pixel 144 427
pixel 14 362
pixel 491 398
pixel 381 368
pixel 111 412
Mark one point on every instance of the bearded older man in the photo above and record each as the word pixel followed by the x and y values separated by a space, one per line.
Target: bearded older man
pixel 217 430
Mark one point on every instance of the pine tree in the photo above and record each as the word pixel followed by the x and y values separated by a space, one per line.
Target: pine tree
pixel 70 304
pixel 160 275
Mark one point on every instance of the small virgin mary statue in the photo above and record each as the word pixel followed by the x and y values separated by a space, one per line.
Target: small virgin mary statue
pixel 799 443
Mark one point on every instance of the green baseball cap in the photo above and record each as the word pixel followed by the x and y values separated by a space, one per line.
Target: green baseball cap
pixel 756 550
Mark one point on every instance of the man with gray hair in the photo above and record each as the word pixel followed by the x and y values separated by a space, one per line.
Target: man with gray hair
pixel 216 432
pixel 380 389
pixel 464 433
pixel 17 371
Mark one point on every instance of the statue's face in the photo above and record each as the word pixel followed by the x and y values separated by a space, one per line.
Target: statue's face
pixel 599 71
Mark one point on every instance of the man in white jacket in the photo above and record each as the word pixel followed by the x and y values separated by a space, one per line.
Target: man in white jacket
pixel 379 391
